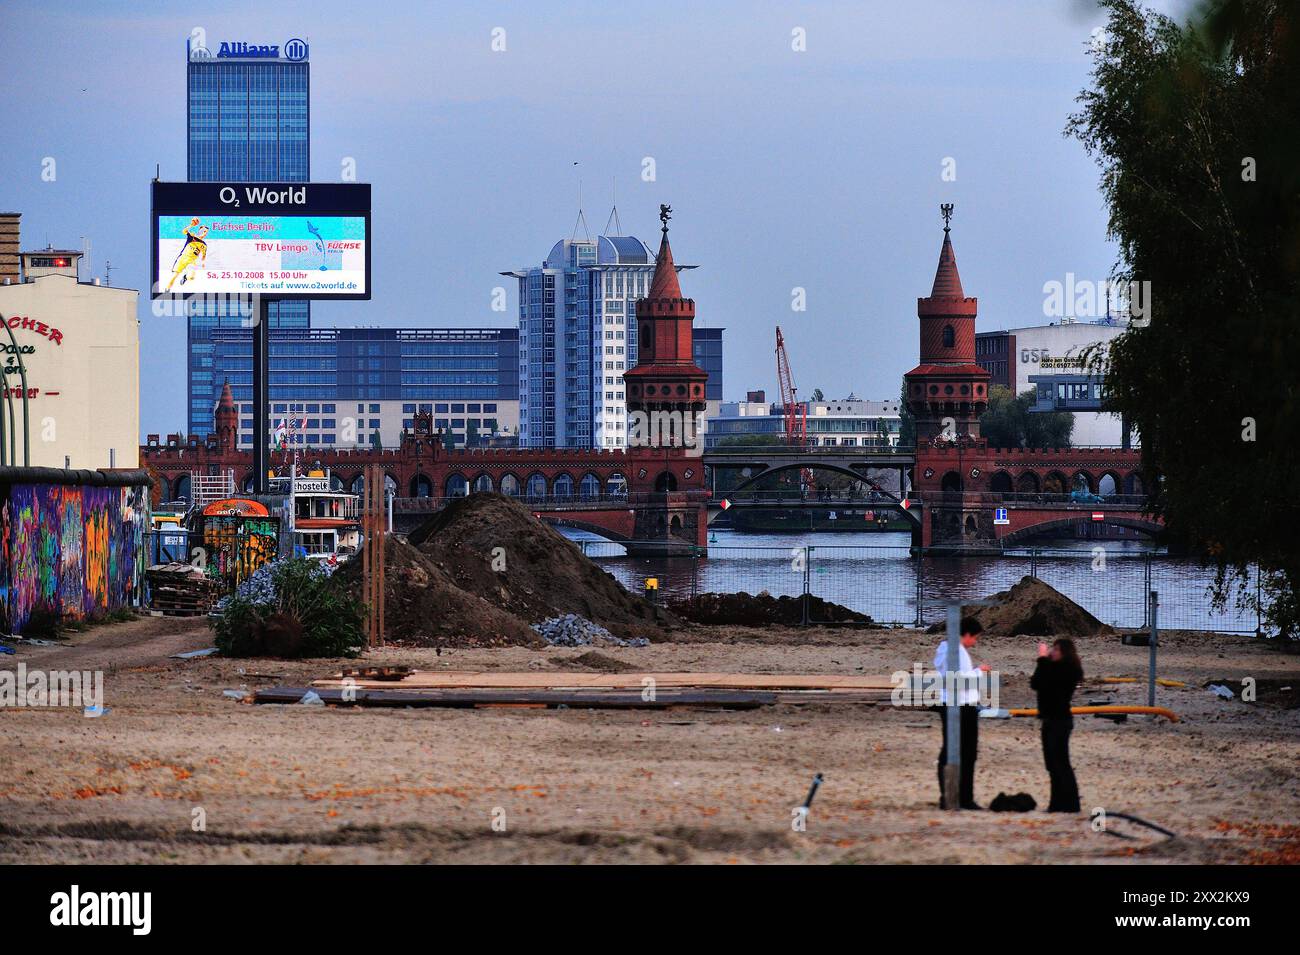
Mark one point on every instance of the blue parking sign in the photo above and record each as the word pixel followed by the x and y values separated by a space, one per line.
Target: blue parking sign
pixel 1000 516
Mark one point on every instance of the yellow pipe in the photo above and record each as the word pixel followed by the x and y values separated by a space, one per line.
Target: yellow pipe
pixel 1170 715
pixel 1132 679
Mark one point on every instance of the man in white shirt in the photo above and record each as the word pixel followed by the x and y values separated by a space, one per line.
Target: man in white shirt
pixel 966 683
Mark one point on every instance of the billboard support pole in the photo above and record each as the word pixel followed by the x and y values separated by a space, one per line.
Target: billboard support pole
pixel 261 399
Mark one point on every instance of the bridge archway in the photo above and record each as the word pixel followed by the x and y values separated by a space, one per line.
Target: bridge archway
pixel 536 487
pixel 1021 534
pixel 951 483
pixel 1027 483
pixel 665 481
pixel 1055 483
pixel 562 487
pixel 589 486
pixel 858 476
pixel 1108 484
pixel 510 486
pixel 455 486
pixel 1133 483
pixel 557 519
pixel 616 485
pixel 1082 481
pixel 1000 483
pixel 482 483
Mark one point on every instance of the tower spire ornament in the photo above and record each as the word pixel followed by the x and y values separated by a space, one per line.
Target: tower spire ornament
pixel 665 213
pixel 945 210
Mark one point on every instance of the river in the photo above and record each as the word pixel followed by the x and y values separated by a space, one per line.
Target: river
pixel 874 573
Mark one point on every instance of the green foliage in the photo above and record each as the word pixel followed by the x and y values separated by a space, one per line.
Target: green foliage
pixel 1008 422
pixel 906 421
pixel 311 615
pixel 1196 129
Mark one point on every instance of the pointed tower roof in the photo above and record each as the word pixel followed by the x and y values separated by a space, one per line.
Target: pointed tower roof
pixel 665 284
pixel 227 401
pixel 947 283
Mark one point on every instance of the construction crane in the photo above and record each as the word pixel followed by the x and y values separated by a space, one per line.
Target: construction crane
pixel 796 415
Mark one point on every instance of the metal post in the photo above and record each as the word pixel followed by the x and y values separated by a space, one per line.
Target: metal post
pixel 1155 639
pixel 807 583
pixel 952 716
pixel 261 393
pixel 920 591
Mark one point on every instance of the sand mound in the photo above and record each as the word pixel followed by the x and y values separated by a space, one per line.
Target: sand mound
pixel 492 546
pixel 1034 608
pixel 762 610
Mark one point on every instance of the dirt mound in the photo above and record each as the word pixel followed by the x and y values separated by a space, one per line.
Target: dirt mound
pixel 492 546
pixel 763 610
pixel 1034 608
pixel 594 660
pixel 425 607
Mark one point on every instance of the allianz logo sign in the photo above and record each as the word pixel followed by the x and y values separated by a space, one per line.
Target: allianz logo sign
pixel 294 51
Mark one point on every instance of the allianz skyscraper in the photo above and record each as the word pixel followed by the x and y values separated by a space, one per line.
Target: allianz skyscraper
pixel 249 112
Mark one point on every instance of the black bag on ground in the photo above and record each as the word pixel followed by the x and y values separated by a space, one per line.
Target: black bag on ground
pixel 1020 802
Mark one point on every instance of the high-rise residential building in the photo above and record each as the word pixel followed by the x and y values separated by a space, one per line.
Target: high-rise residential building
pixel 578 336
pixel 360 387
pixel 248 120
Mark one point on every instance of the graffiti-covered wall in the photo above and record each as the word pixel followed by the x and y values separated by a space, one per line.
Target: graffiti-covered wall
pixel 76 549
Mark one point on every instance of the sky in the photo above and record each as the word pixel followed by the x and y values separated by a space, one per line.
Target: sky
pixel 819 169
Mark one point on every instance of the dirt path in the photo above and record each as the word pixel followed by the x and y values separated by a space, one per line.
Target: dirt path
pixel 313 784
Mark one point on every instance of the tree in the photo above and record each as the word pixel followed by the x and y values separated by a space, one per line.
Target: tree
pixel 906 421
pixel 375 441
pixel 1008 422
pixel 1196 129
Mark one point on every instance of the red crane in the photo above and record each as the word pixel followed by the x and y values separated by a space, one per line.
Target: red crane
pixel 796 415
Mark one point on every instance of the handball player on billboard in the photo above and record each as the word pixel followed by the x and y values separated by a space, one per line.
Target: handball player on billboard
pixel 193 253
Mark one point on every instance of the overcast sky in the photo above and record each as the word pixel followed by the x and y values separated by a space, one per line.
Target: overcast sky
pixel 818 169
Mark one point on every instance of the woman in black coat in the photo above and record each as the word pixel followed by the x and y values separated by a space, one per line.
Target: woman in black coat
pixel 1057 674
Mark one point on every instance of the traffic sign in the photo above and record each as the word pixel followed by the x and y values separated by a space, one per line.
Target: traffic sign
pixel 726 503
pixel 1098 516
pixel 1000 516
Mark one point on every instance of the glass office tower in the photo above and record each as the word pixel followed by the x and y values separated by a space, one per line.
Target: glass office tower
pixel 248 120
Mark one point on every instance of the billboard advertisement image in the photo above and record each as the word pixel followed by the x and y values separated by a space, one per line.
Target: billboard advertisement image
pixel 309 240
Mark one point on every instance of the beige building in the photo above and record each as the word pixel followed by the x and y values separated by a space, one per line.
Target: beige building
pixel 79 343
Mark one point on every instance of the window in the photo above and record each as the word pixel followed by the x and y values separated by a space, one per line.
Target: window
pixel 327 409
pixel 949 336
pixel 374 422
pixel 374 409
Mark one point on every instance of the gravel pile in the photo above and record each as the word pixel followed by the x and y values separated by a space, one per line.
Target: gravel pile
pixel 574 631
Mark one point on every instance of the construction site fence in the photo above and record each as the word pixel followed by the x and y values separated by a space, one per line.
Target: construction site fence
pixel 894 586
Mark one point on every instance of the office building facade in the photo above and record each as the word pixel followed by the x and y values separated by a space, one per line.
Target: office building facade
pixel 360 387
pixel 578 336
pixel 248 113
pixel 849 422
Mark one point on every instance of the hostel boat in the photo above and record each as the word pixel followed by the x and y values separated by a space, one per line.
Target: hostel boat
pixel 325 522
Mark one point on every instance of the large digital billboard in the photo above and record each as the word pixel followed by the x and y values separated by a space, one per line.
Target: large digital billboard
pixel 274 240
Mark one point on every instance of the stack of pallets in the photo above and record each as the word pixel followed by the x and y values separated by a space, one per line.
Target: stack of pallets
pixel 179 589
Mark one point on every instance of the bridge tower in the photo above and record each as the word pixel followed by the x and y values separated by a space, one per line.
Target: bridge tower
pixel 665 403
pixel 226 419
pixel 947 392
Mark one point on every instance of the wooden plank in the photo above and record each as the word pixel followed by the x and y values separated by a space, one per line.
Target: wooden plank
pixel 574 699
pixel 448 679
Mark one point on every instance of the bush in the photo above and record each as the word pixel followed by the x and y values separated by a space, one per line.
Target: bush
pixel 309 614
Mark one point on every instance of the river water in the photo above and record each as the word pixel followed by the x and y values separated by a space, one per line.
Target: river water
pixel 874 573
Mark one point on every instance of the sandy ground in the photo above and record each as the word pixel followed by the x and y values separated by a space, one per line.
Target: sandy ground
pixel 296 784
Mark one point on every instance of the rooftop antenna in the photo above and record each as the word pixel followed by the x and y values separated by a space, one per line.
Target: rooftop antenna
pixel 613 212
pixel 108 273
pixel 582 219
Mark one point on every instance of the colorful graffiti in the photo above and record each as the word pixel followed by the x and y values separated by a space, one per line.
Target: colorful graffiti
pixel 76 551
pixel 236 545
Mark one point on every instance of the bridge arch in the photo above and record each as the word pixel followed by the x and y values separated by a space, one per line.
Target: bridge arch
pixel 557 519
pixel 1082 481
pixel 1133 483
pixel 562 486
pixel 616 485
pixel 1027 483
pixel 1055 483
pixel 536 486
pixel 589 486
pixel 510 485
pixel 482 483
pixel 665 481
pixel 816 466
pixel 1109 483
pixel 951 483
pixel 1001 483
pixel 1020 534
pixel 455 485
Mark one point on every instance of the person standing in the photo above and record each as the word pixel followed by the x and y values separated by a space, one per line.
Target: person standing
pixel 968 698
pixel 1056 675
